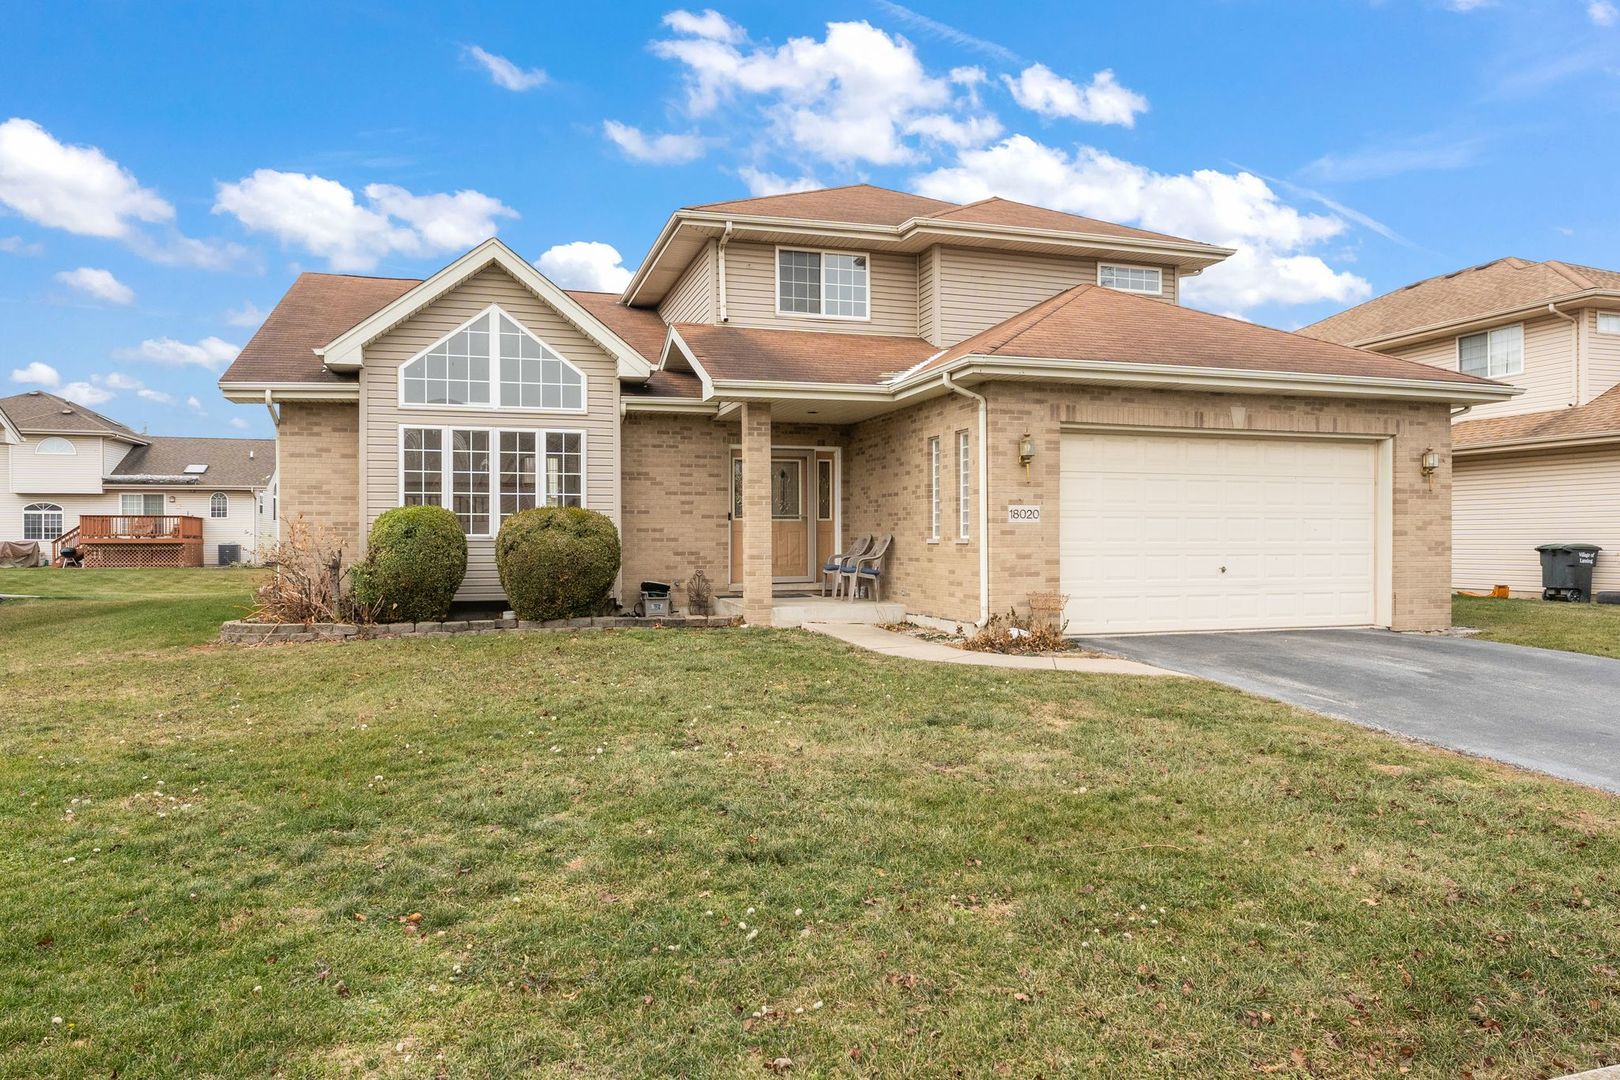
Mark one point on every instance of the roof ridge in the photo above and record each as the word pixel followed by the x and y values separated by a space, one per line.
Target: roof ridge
pixel 965 206
pixel 357 277
pixel 1569 271
pixel 818 191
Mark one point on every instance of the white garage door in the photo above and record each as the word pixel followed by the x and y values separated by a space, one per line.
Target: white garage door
pixel 1172 532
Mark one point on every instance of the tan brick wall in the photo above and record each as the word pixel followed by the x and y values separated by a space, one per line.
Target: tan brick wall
pixel 756 505
pixel 318 459
pixel 887 491
pixel 1024 558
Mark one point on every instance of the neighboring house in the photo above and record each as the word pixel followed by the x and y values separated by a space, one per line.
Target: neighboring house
pixel 61 463
pixel 1544 466
pixel 1012 392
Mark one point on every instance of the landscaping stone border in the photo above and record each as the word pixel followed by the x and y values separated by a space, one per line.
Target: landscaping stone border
pixel 257 633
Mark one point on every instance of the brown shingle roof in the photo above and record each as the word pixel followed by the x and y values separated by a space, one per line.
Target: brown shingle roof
pixel 861 204
pixel 39 411
pixel 319 307
pixel 864 204
pixel 232 463
pixel 316 309
pixel 1089 322
pixel 1448 299
pixel 750 354
pixel 1598 418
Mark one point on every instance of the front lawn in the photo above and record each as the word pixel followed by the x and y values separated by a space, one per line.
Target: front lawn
pixel 1586 628
pixel 661 853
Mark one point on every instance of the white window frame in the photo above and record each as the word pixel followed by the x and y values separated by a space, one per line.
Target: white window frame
pixel 933 489
pixel 447 469
pixel 964 485
pixel 143 496
pixel 1614 323
pixel 42 511
pixel 1157 271
pixel 1487 335
pixel 223 507
pixel 494 404
pixel 776 283
pixel 54 441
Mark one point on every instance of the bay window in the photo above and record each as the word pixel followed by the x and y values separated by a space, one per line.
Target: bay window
pixel 485 475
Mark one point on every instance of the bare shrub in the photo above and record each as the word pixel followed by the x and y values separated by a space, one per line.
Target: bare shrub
pixel 309 585
pixel 1041 631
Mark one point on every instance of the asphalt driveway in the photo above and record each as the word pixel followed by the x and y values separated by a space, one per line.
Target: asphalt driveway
pixel 1556 712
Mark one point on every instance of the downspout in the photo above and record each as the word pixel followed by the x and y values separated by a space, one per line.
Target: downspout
pixel 1575 352
pixel 984 492
pixel 270 407
pixel 725 238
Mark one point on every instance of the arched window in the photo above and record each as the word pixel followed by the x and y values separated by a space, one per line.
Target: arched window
pixel 56 446
pixel 493 359
pixel 42 521
pixel 218 505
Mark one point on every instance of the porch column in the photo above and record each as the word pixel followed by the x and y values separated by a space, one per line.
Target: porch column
pixel 756 506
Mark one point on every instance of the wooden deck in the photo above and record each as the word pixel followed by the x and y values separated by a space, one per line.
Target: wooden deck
pixel 134 541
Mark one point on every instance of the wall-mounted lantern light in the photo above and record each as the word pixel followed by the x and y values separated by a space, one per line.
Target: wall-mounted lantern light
pixel 1431 461
pixel 1026 452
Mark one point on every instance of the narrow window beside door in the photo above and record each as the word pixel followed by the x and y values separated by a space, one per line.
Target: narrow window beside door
pixel 964 483
pixel 933 488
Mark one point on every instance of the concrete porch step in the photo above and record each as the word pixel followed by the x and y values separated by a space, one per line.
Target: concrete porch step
pixel 798 610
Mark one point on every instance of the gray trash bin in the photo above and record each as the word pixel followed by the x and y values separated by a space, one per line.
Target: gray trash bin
pixel 1566 571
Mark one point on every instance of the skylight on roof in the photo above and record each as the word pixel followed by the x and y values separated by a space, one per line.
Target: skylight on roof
pixel 196 470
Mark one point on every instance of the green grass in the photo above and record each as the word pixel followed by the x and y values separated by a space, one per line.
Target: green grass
pixel 972 871
pixel 1586 628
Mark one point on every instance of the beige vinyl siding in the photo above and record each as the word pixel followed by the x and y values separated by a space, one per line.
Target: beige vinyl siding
pixel 1549 375
pixel 751 294
pixel 112 452
pixel 79 474
pixel 928 295
pixel 381 415
pixel 1602 359
pixel 977 288
pixel 695 297
pixel 1504 505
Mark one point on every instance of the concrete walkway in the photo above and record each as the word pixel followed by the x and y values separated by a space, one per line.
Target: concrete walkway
pixel 890 643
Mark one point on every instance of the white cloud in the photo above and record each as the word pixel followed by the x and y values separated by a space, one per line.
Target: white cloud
pixel 1103 101
pixel 1603 13
pixel 322 217
pixel 37 374
pixel 238 423
pixel 117 381
pixel 211 352
pixel 965 132
pixel 585 264
pixel 666 149
pixel 761 182
pixel 1424 153
pixel 709 24
pixel 947 32
pixel 86 393
pixel 146 393
pixel 246 315
pixel 196 406
pixel 1467 5
pixel 1238 210
pixel 504 73
pixel 846 99
pixel 16 245
pixel 76 188
pixel 100 284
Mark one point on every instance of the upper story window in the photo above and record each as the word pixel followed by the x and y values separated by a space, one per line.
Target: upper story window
pixel 56 446
pixel 1493 354
pixel 489 360
pixel 1137 279
pixel 1608 322
pixel 834 284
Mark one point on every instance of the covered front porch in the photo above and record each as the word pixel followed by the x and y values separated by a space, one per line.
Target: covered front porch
pixel 796 608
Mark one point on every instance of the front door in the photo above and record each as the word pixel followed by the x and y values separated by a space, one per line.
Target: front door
pixel 792 539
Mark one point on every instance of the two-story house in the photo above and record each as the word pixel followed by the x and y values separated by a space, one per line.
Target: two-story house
pixel 71 477
pixel 1015 394
pixel 1543 467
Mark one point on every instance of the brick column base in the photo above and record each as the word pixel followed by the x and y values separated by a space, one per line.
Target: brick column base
pixel 756 500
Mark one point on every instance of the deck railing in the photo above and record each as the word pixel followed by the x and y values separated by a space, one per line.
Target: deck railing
pixel 150 528
pixel 135 540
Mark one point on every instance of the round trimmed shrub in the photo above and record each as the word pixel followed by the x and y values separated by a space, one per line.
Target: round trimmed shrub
pixel 557 562
pixel 415 560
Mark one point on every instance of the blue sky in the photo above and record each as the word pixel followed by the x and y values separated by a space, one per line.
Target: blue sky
pixel 166 169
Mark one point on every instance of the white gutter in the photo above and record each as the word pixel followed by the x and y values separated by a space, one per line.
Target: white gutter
pixel 720 258
pixel 984 494
pixel 270 407
pixel 1575 351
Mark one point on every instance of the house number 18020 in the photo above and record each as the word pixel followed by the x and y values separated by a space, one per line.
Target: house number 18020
pixel 1023 515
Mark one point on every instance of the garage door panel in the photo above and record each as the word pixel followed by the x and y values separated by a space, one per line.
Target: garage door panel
pixel 1148 522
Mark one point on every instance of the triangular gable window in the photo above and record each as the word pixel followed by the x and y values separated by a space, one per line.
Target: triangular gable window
pixel 490 358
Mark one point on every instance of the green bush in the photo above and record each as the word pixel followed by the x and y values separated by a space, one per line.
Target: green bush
pixel 415 560
pixel 557 562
